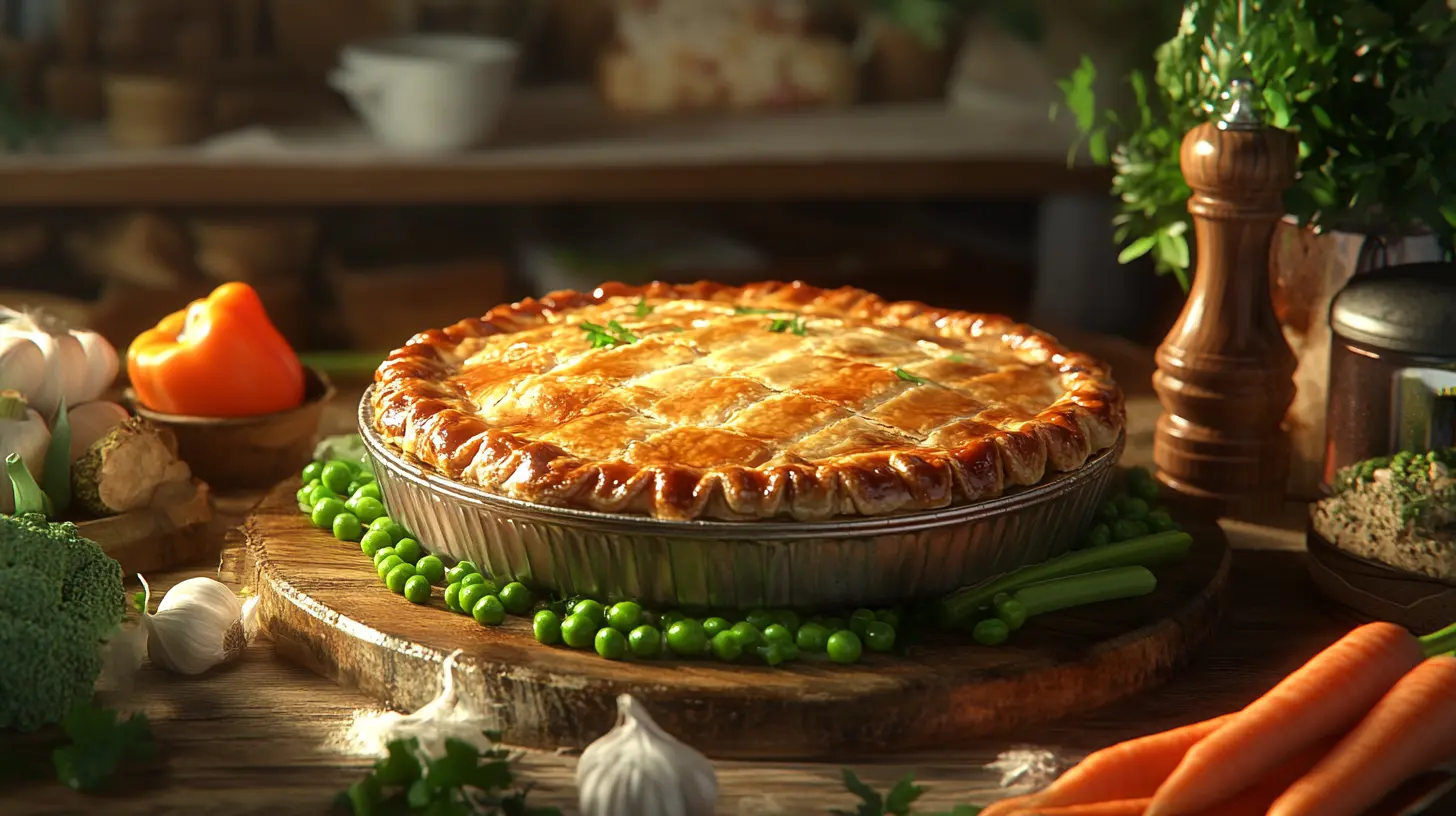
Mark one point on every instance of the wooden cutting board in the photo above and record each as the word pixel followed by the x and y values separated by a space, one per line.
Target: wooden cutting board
pixel 325 608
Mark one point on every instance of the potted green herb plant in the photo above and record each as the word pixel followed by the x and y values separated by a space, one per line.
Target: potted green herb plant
pixel 1369 86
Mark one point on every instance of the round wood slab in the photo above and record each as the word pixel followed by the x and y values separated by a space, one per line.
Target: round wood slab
pixel 325 607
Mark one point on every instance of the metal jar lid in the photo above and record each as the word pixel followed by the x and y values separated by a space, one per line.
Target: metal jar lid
pixel 1410 309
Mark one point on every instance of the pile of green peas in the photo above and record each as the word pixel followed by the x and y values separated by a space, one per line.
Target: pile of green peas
pixel 1130 513
pixel 342 497
pixel 772 637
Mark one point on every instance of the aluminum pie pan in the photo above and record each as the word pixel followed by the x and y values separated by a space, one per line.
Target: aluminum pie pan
pixel 738 564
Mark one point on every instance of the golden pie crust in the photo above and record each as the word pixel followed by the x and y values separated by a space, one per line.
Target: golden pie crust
pixel 739 403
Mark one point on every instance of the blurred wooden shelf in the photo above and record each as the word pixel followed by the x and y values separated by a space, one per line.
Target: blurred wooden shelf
pixel 562 146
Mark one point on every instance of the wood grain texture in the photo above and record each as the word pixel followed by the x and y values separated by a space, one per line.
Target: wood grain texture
pixel 1225 373
pixel 325 607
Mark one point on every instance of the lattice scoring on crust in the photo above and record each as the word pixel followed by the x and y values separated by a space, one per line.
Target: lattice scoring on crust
pixel 702 410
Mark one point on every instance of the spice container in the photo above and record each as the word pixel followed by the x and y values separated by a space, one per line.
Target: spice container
pixel 1392 365
pixel 1383 541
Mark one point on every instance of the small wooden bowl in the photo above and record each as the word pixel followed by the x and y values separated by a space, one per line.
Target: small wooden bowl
pixel 1375 591
pixel 248 453
pixel 154 111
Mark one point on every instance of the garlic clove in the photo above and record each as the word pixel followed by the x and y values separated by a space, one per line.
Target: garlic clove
pixel 22 364
pixel 641 769
pixel 199 624
pixel 102 365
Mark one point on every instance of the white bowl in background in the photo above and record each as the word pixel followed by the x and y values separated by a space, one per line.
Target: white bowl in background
pixel 428 93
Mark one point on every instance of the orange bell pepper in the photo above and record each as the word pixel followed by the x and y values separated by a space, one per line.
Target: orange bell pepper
pixel 219 357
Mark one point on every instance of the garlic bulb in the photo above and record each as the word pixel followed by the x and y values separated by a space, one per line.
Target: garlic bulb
pixel 79 365
pixel 640 769
pixel 199 624
pixel 22 364
pixel 92 421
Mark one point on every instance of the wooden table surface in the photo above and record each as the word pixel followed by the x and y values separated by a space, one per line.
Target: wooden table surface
pixel 261 735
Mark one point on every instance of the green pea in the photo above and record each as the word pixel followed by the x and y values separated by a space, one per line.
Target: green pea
pixel 546 626
pixel 889 616
pixel 368 490
pixel 811 637
pixel 384 566
pixel 844 647
pixel 592 611
pixel 624 616
pixel 336 475
pixel 991 632
pixel 312 471
pixel 1145 489
pixel 460 570
pixel 776 653
pixel 579 631
pixel 383 553
pixel 1099 536
pixel 397 576
pixel 1107 512
pixel 432 568
pixel 324 511
pixel 417 589
pixel 1128 529
pixel 747 633
pixel 832 623
pixel 452 597
pixel 645 641
pixel 372 541
pixel 775 633
pixel 859 619
pixel 470 595
pixel 488 610
pixel 712 626
pixel 367 508
pixel 347 527
pixel 668 618
pixel 788 619
pixel 879 636
pixel 611 643
pixel 726 646
pixel 760 618
pixel 408 549
pixel 686 638
pixel 471 578
pixel 305 497
pixel 319 493
pixel 1159 521
pixel 516 597
pixel 1011 612
pixel 389 525
pixel 1134 508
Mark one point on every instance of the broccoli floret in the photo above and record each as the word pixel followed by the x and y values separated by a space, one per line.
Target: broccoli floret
pixel 60 598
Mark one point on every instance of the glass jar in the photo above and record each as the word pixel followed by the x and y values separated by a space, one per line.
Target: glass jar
pixel 1392 366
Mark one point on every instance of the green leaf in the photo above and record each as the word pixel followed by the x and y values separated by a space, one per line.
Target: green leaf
pixel 1080 97
pixel 57 478
pixel 100 743
pixel 643 309
pixel 902 795
pixel 1137 249
pixel 1097 146
pixel 911 378
pixel 1278 110
pixel 400 767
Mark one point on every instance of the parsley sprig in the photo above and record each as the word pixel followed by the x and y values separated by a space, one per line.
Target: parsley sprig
pixel 100 742
pixel 643 309
pixel 896 802
pixel 612 334
pixel 463 782
pixel 911 378
pixel 795 325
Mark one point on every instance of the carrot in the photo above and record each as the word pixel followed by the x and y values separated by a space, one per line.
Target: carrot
pixel 1410 731
pixel 1121 807
pixel 1127 770
pixel 1325 697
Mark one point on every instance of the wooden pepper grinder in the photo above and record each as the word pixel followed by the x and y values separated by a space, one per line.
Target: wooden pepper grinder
pixel 1225 373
